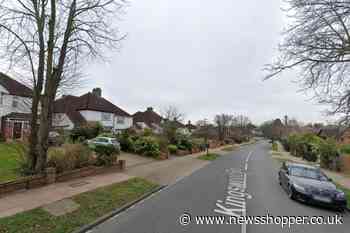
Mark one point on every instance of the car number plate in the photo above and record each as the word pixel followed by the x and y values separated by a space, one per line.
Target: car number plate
pixel 323 199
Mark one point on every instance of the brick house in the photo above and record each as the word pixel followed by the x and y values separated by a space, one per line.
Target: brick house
pixel 15 108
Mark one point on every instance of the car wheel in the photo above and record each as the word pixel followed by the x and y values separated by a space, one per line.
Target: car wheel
pixel 291 193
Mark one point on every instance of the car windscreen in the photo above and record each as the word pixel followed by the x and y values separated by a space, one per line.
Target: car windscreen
pixel 310 173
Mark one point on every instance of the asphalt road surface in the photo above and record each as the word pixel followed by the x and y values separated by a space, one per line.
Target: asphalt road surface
pixel 243 183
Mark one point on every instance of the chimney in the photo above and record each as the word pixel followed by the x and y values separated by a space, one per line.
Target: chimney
pixel 97 91
pixel 149 109
pixel 286 120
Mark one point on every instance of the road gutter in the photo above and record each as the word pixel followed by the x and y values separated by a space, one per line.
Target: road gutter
pixel 118 211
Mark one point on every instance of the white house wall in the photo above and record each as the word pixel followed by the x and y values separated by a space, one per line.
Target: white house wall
pixel 61 120
pixel 97 116
pixel 24 103
pixel 126 125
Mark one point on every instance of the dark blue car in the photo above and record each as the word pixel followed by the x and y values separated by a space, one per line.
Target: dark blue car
pixel 309 184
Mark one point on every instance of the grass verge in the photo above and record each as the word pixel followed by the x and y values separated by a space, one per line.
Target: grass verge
pixel 9 161
pixel 229 148
pixel 93 205
pixel 209 157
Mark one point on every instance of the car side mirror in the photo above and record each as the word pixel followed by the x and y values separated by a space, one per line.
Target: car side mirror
pixel 287 172
pixel 330 179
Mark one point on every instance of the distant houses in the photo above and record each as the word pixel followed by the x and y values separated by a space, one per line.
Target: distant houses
pixel 71 111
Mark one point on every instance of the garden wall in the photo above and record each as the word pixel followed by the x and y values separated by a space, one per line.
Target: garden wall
pixel 51 177
pixel 345 161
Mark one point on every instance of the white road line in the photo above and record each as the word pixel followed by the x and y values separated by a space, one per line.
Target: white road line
pixel 244 225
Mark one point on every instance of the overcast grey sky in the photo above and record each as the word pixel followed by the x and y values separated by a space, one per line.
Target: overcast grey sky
pixel 203 56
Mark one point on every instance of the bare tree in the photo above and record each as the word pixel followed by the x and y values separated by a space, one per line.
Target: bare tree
pixel 223 123
pixel 172 118
pixel 172 113
pixel 317 42
pixel 52 39
pixel 240 121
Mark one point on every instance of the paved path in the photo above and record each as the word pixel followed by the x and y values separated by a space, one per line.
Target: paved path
pixel 206 192
pixel 33 198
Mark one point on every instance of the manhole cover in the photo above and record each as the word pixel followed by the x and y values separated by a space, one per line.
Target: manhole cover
pixel 78 184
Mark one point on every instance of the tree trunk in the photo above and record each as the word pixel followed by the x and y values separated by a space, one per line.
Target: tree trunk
pixel 33 139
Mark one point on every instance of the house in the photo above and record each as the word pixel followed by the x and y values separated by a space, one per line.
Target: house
pixel 191 127
pixel 329 132
pixel 73 111
pixel 15 108
pixel 148 119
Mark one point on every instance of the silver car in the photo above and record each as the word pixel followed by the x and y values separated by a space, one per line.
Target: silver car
pixel 105 141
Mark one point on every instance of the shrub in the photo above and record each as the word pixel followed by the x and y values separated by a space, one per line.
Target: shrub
pixel 106 155
pixel 88 131
pixel 199 143
pixel 69 157
pixel 147 146
pixel 345 149
pixel 126 142
pixel 274 146
pixel 172 149
pixel 2 138
pixel 328 154
pixel 147 132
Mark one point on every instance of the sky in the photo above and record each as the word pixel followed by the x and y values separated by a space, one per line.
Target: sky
pixel 204 57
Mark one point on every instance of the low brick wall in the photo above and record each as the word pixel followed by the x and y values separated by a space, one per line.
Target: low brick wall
pixel 345 161
pixel 52 177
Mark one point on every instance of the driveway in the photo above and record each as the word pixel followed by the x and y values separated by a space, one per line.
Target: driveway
pixel 206 192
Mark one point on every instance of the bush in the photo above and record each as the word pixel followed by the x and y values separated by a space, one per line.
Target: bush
pixel 329 154
pixel 147 146
pixel 106 155
pixel 274 146
pixel 199 143
pixel 345 149
pixel 126 142
pixel 183 141
pixel 172 149
pixel 69 157
pixel 88 131
pixel 2 138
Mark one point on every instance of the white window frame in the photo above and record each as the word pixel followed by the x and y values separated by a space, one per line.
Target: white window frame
pixel 120 120
pixel 105 116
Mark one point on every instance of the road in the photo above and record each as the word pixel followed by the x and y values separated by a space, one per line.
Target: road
pixel 249 172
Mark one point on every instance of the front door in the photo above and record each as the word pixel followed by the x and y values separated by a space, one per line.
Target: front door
pixel 17 130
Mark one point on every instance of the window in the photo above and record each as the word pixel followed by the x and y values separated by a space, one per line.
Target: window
pixel 15 101
pixel 1 98
pixel 106 116
pixel 120 120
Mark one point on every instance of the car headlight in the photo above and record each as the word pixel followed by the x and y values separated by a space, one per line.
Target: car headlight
pixel 299 188
pixel 340 195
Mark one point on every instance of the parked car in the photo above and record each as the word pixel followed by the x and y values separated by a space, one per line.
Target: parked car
pixel 309 184
pixel 55 139
pixel 105 141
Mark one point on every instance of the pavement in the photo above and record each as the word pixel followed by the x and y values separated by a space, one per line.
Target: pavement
pixel 242 183
pixel 34 198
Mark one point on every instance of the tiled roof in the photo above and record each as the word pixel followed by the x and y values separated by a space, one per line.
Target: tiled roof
pixel 149 117
pixel 93 102
pixel 71 105
pixel 14 87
